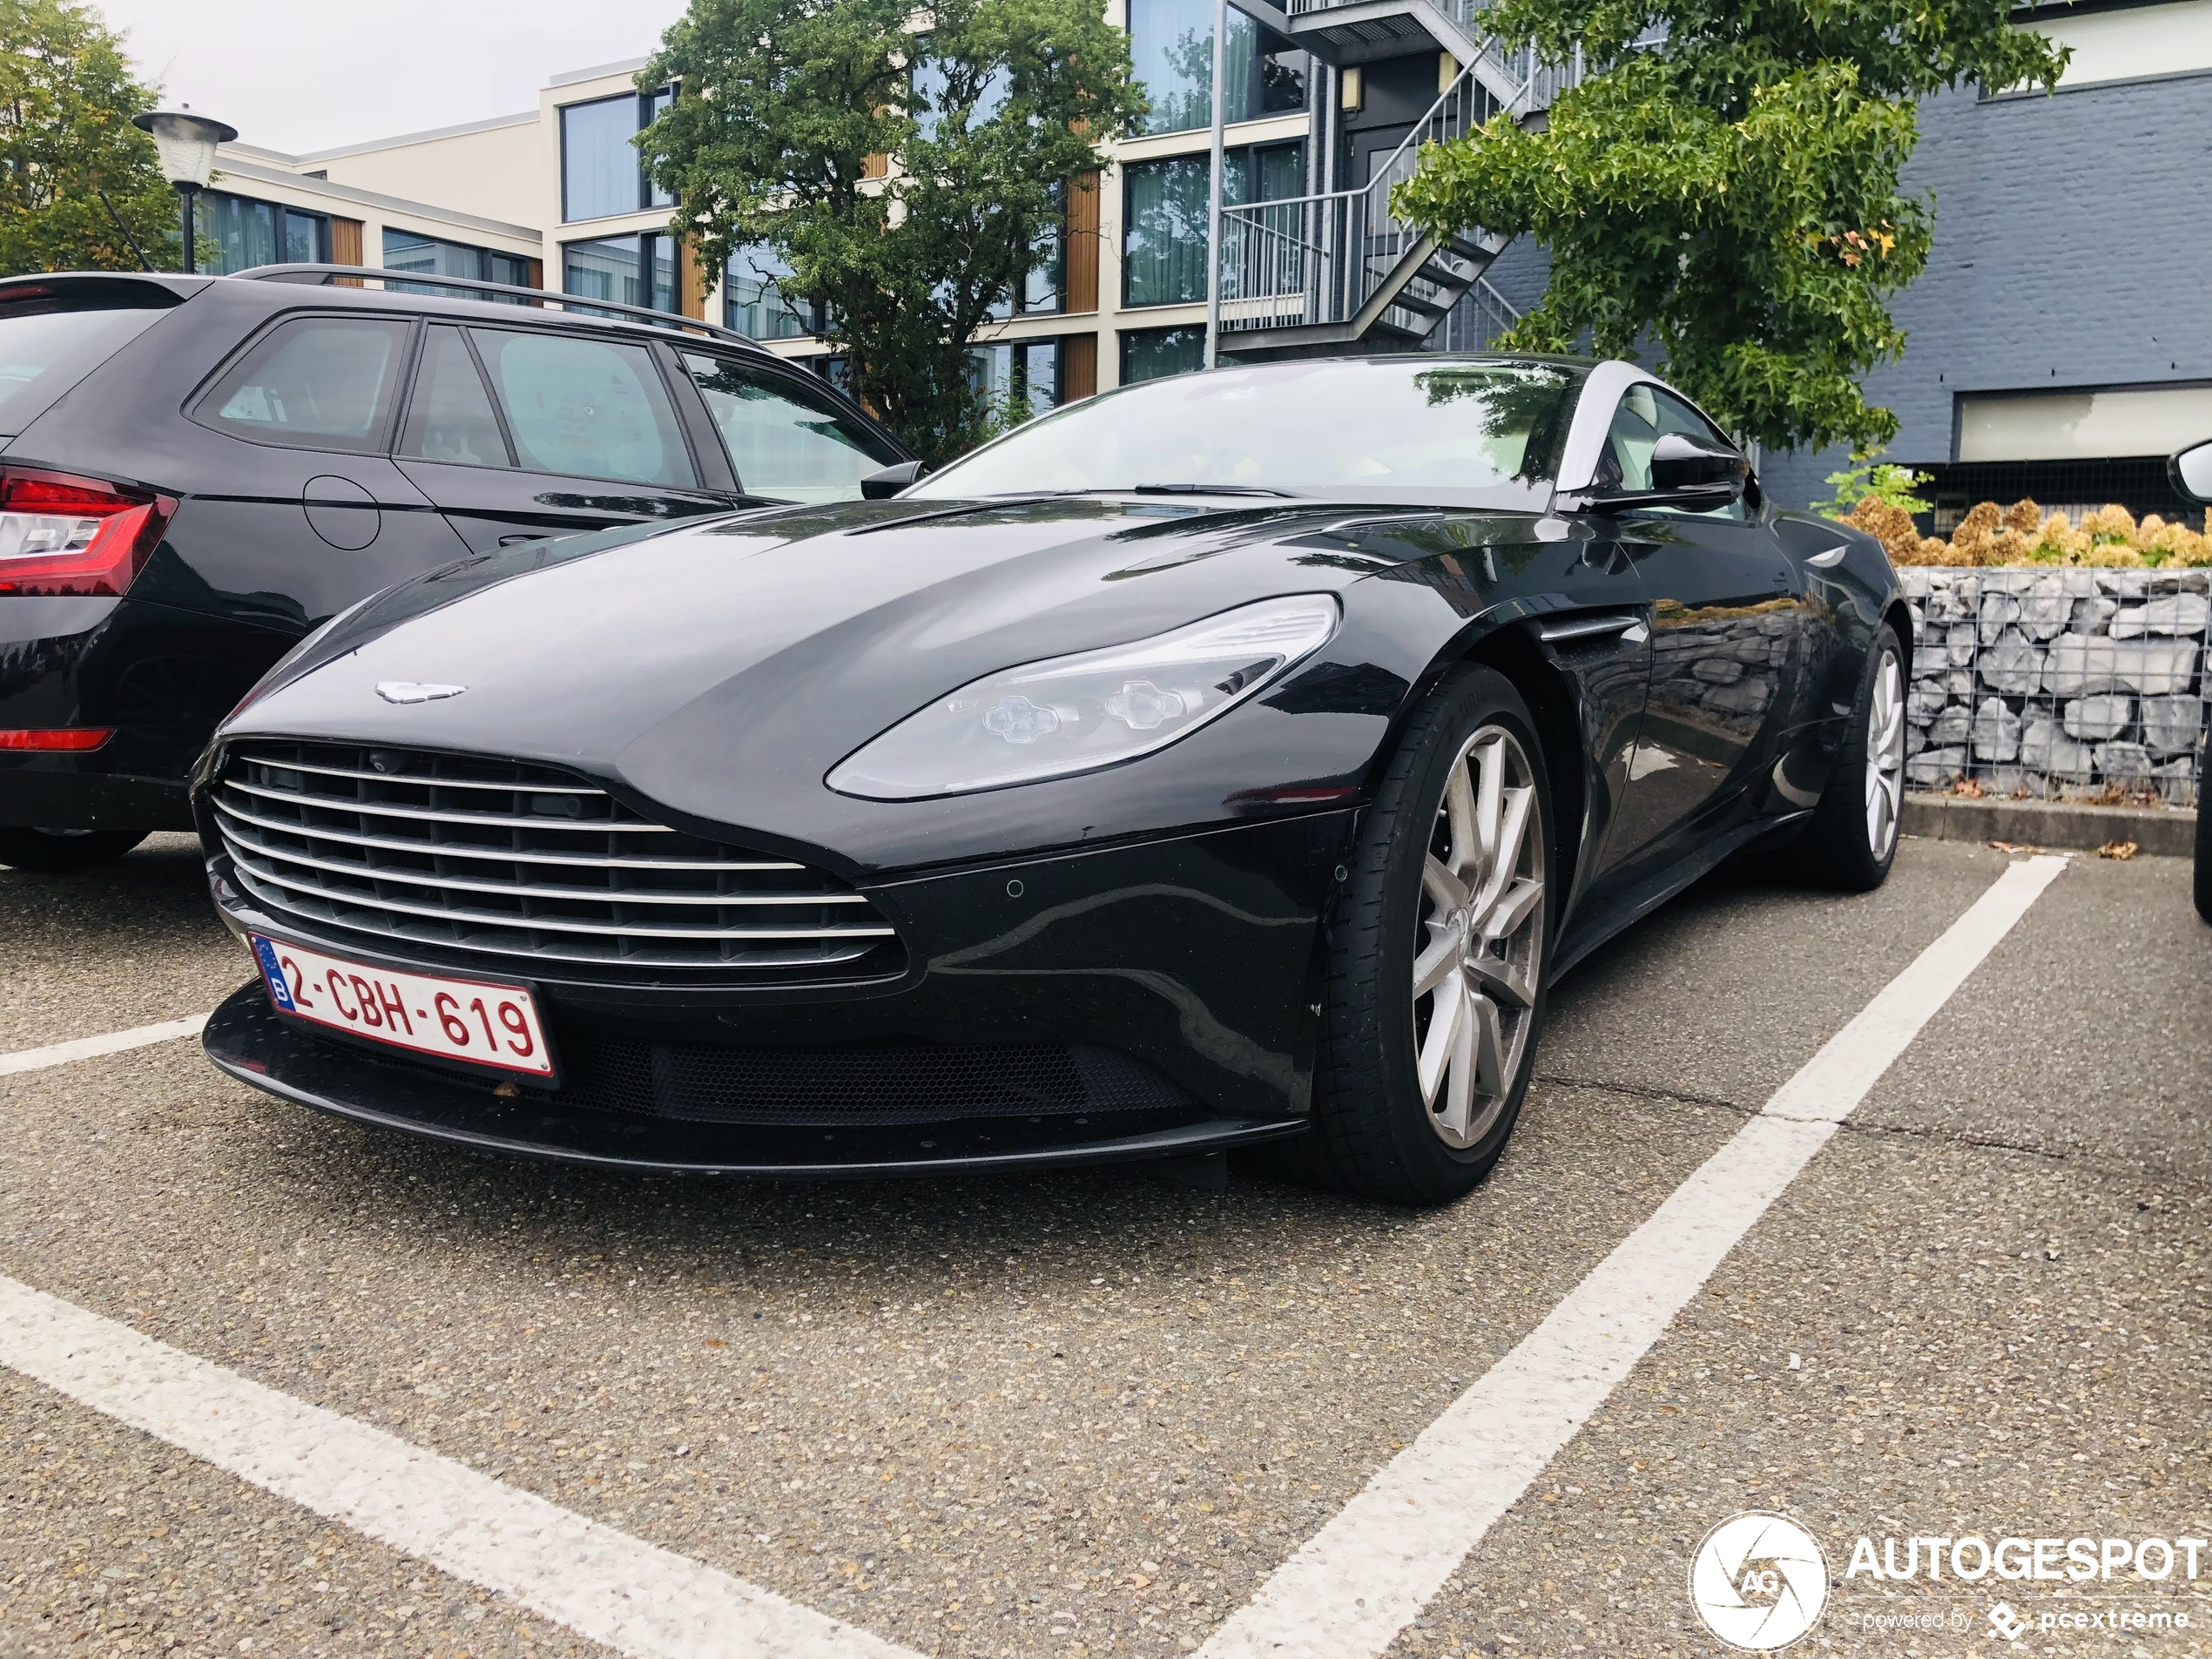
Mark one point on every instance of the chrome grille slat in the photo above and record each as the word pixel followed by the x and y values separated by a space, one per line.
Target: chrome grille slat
pixel 448 850
pixel 546 924
pixel 454 884
pixel 428 780
pixel 319 839
pixel 482 821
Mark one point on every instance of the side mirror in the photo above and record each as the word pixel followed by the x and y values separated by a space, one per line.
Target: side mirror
pixel 881 486
pixel 1681 465
pixel 2191 471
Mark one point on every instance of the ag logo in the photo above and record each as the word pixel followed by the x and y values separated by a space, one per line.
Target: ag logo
pixel 1759 1582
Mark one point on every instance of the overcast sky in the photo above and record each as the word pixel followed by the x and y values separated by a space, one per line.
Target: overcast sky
pixel 298 75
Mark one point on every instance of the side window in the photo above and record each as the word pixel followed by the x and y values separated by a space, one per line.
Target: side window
pixel 1646 414
pixel 786 439
pixel 593 408
pixel 315 382
pixel 451 417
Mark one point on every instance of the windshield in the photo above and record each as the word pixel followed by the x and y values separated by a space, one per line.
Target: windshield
pixel 47 345
pixel 1411 429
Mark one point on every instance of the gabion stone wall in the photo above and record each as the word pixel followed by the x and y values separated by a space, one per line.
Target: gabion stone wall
pixel 2056 683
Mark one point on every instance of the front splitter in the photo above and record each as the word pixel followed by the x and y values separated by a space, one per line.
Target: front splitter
pixel 249 1041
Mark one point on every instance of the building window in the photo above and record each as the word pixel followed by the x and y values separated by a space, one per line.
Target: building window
pixel 636 270
pixel 1147 353
pixel 600 173
pixel 2066 426
pixel 1171 44
pixel 753 302
pixel 236 233
pixel 1163 234
pixel 1017 375
pixel 406 250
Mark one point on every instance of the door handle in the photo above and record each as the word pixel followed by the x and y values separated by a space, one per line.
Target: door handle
pixel 1631 629
pixel 1831 559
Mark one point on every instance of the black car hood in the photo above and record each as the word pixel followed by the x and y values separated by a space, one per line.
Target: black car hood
pixel 720 670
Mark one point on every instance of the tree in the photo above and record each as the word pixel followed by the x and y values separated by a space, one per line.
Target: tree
pixel 1729 192
pixel 785 110
pixel 66 100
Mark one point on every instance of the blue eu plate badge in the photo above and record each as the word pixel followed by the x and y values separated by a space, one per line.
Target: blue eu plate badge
pixel 265 952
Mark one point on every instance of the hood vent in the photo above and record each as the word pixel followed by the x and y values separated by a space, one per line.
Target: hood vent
pixel 500 865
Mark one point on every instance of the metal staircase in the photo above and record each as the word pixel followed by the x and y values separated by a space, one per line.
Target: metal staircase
pixel 1317 275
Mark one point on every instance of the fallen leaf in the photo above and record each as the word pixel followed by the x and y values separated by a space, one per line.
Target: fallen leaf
pixel 2118 850
pixel 2011 846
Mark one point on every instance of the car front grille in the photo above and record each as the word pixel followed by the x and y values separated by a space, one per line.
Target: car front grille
pixel 524 867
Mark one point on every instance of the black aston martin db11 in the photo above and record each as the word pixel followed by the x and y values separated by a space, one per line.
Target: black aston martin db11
pixel 1228 759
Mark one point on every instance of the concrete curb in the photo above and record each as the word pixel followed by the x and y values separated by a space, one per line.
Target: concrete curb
pixel 2167 832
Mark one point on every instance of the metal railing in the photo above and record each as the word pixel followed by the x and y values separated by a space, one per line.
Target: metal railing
pixel 1326 258
pixel 1482 314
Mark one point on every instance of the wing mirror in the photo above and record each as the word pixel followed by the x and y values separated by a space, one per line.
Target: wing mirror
pixel 2191 471
pixel 881 486
pixel 1686 472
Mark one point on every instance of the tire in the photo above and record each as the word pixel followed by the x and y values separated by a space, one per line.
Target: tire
pixel 1441 891
pixel 1852 841
pixel 65 852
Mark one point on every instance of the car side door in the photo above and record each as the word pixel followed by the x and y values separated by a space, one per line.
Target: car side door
pixel 788 437
pixel 521 434
pixel 1726 647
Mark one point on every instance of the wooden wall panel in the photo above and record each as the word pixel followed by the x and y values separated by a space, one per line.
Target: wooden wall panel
pixel 345 248
pixel 1082 261
pixel 1078 367
pixel 690 280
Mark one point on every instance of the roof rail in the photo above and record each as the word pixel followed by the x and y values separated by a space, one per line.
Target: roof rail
pixel 323 275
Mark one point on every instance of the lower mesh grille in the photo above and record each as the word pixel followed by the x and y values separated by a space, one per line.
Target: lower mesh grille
pixel 856 1084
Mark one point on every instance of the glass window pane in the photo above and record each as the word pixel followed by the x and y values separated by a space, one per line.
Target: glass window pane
pixel 1172 45
pixel 507 267
pixel 1163 240
pixel 754 305
pixel 302 238
pixel 606 269
pixel 47 346
pixel 655 196
pixel 451 417
pixel 1150 354
pixel 594 409
pixel 319 382
pixel 1283 77
pixel 232 233
pixel 1040 374
pixel 784 440
pixel 598 163
pixel 660 252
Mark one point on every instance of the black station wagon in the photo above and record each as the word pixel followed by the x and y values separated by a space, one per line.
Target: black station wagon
pixel 196 472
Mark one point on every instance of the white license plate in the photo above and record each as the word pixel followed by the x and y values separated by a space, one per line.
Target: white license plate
pixel 486 1023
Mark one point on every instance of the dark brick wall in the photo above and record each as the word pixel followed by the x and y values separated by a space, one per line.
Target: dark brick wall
pixel 2072 247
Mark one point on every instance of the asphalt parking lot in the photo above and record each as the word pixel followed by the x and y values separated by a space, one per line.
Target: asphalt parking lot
pixel 1093 1414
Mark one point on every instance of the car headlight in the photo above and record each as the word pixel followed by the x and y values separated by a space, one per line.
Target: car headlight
pixel 1095 709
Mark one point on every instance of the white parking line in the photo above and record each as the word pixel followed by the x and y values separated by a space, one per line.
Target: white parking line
pixel 599 1581
pixel 60 1054
pixel 1368 1572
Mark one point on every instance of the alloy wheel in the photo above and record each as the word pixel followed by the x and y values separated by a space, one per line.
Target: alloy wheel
pixel 1479 957
pixel 1885 755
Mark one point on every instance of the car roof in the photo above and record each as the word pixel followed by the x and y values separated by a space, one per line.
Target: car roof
pixel 279 285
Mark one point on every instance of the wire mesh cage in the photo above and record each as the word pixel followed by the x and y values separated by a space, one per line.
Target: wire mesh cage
pixel 2077 684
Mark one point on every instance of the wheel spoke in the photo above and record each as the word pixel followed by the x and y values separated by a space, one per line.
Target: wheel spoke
pixel 1500 980
pixel 1459 812
pixel 1449 1012
pixel 1512 830
pixel 1459 1091
pixel 1511 910
pixel 1489 1035
pixel 1436 964
pixel 1490 802
pixel 1441 885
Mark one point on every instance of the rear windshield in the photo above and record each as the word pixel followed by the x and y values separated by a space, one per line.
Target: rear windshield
pixel 47 345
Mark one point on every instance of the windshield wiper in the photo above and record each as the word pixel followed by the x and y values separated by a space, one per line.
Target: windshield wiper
pixel 1207 490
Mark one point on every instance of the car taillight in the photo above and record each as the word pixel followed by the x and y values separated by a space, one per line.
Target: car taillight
pixel 61 534
pixel 67 739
